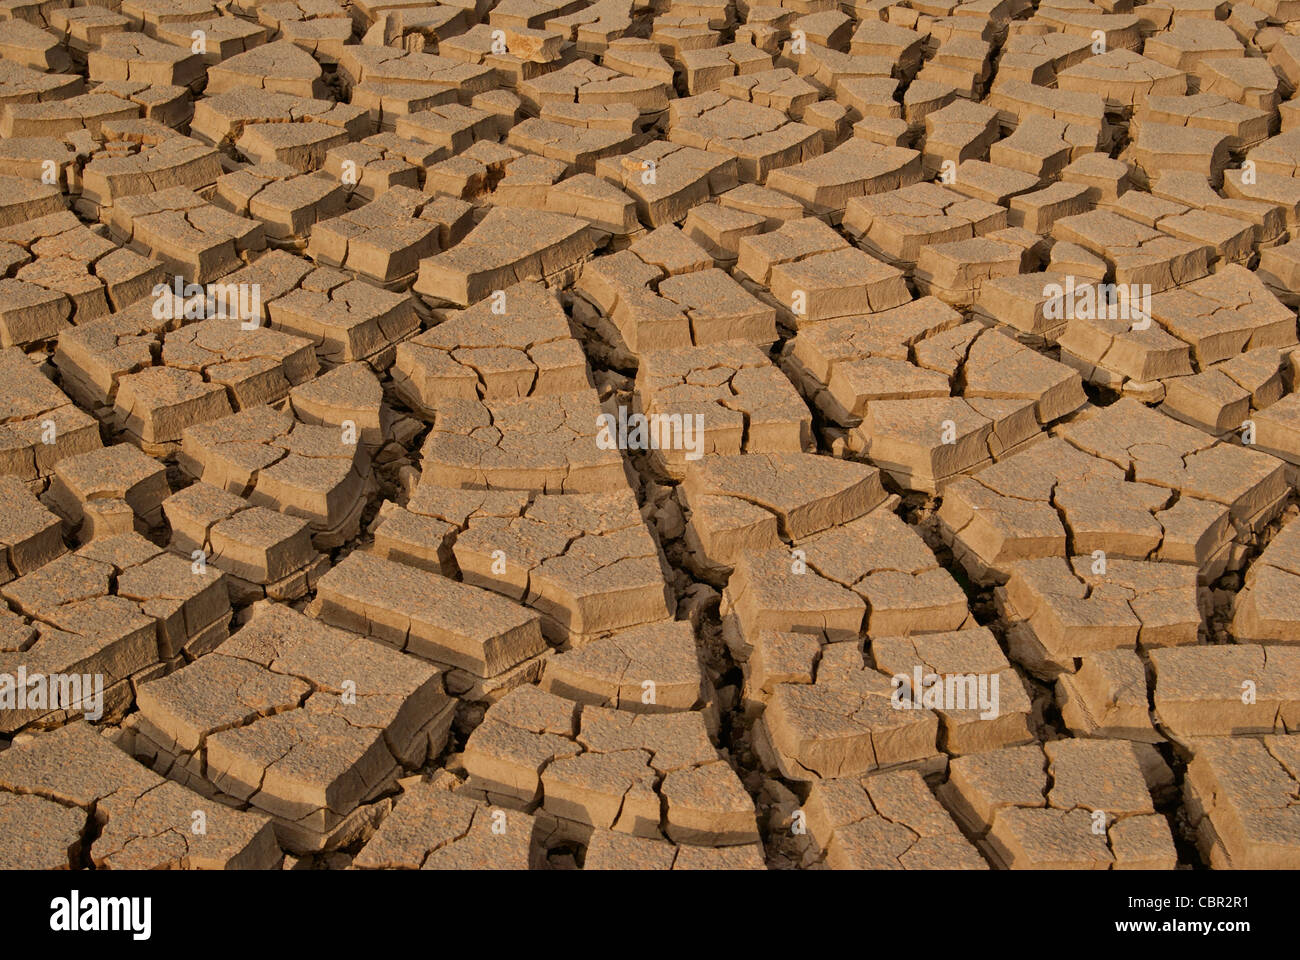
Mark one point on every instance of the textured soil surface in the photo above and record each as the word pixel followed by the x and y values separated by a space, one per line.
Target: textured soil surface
pixel 558 434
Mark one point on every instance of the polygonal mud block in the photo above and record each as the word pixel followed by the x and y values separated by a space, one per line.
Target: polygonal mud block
pixel 373 166
pixel 1136 253
pixel 148 15
pixel 1264 187
pixel 1028 305
pixel 1096 814
pixel 1191 41
pixel 324 724
pixel 843 724
pixel 506 246
pixel 25 200
pixel 1124 78
pixel 477 170
pixel 1266 609
pixel 268 126
pixel 516 343
pixel 84 485
pixel 255 366
pixel 222 37
pixel 486 643
pixel 825 184
pixel 1223 315
pixel 780 88
pixel 578 148
pixel 1202 691
pixel 161 102
pixel 24 83
pixel 262 552
pixel 56 119
pixel 634 56
pixel 854 366
pixel 119 610
pixel 652 776
pixel 830 69
pixel 289 204
pixel 321 27
pixel 828 359
pixel 1244 125
pixel 698 306
pixel 611 850
pixel 1026 505
pixel 1069 608
pixel 155 406
pixel 1277 429
pixel 887 820
pixel 764 594
pixel 1140 441
pixel 190 236
pixel 558 443
pixel 319 473
pixel 896 225
pixel 961 131
pixel 423 533
pixel 348 397
pixel 603 205
pixel 718 229
pixel 1107 697
pixel 991 707
pixel 778 657
pixel 522 732
pixel 892 569
pixel 384 240
pixel 280 67
pixel 450 127
pixel 706 69
pixel 132 56
pixel 721 399
pixel 272 275
pixel 586 562
pixel 140 821
pixel 747 502
pixel 586 82
pixel 815 274
pixel 1037 211
pixel 93 357
pixel 65 274
pixel 347 319
pixel 667 179
pixel 144 156
pixel 1220 399
pixel 27 44
pixel 375 73
pixel 1237 793
pixel 40 424
pixel 433 827
pixel 985 181
pixel 924 443
pixel 30 535
pixel 1229 238
pixel 652 668
pixel 956 271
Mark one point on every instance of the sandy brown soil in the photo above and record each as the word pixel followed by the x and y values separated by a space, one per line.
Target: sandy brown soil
pixel 552 434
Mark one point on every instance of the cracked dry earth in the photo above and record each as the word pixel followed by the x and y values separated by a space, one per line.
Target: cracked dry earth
pixel 309 315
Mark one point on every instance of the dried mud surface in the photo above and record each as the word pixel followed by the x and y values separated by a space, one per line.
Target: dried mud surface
pixel 560 434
